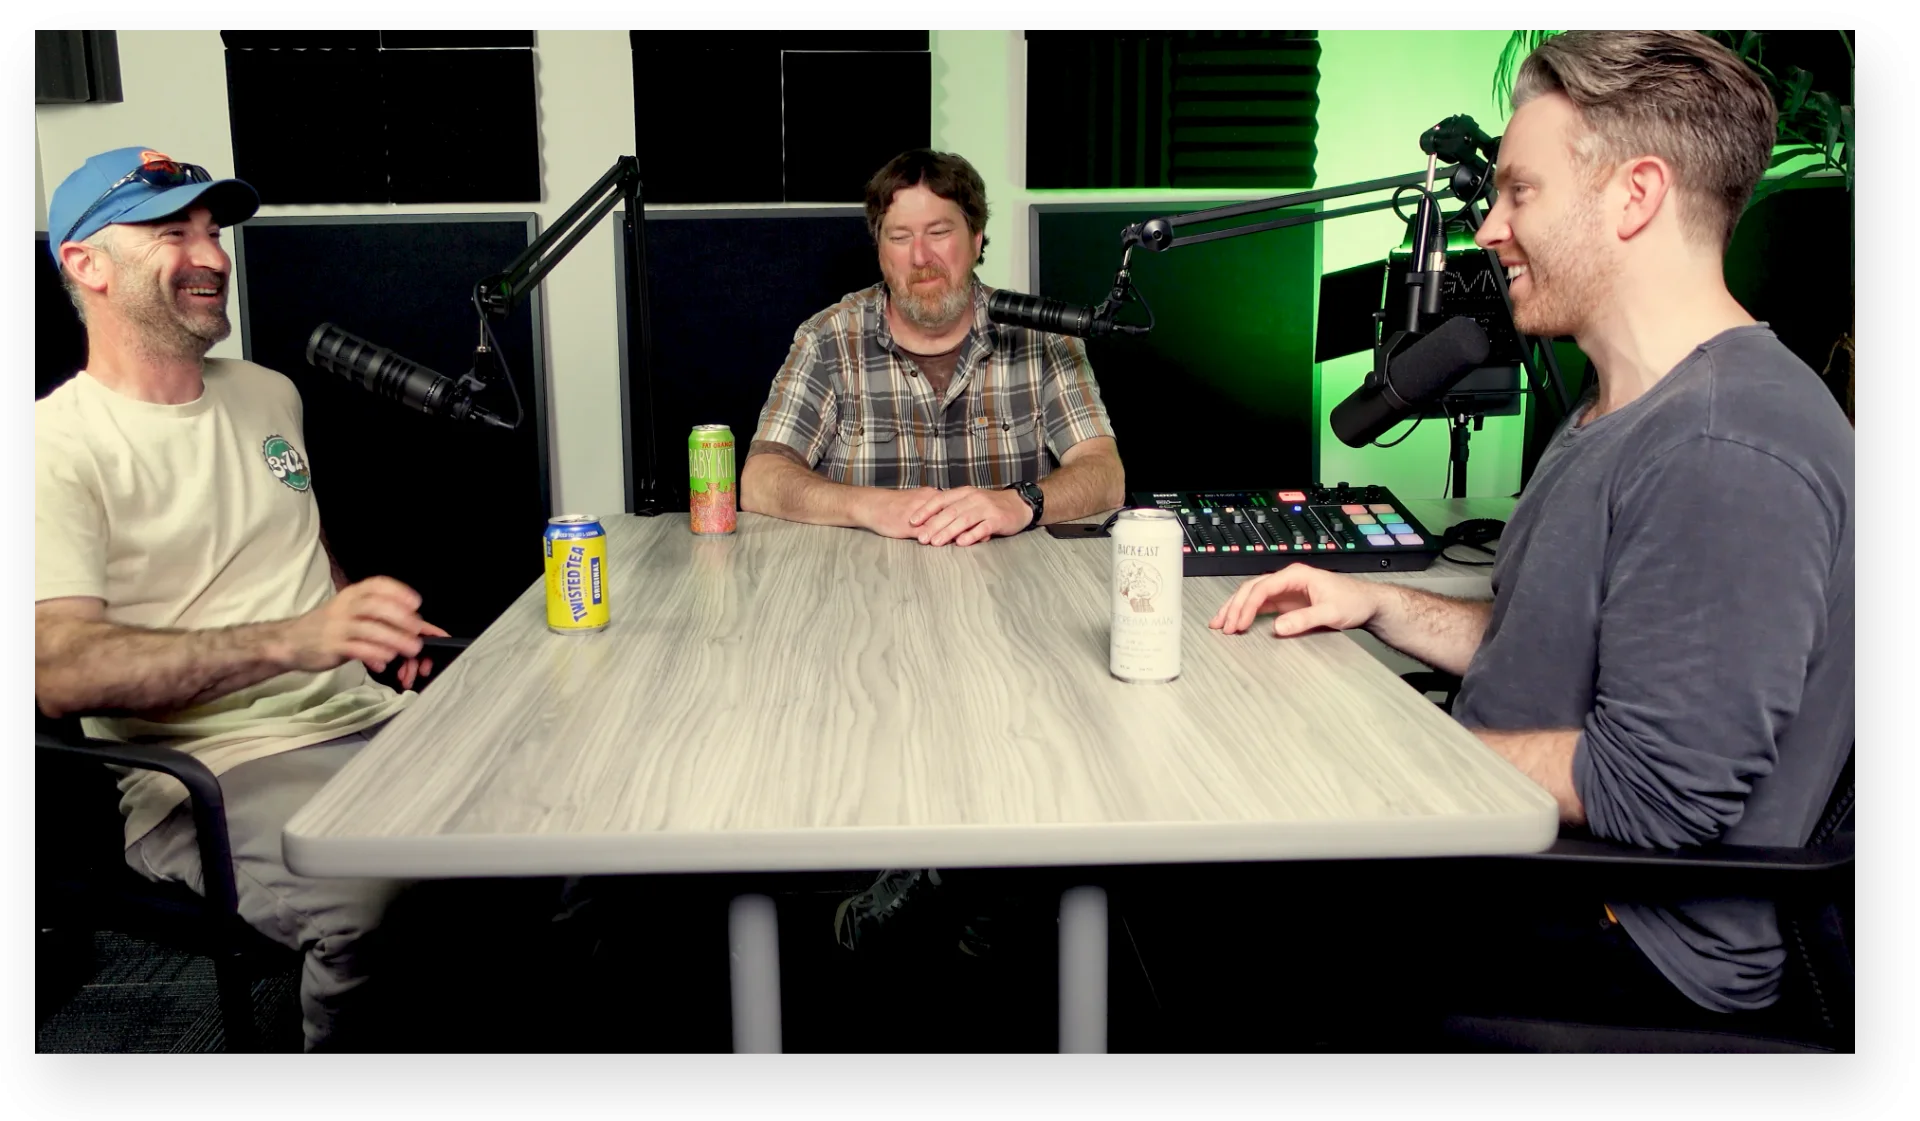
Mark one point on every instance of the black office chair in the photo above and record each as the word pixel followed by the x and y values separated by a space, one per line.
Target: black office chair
pixel 1813 888
pixel 82 883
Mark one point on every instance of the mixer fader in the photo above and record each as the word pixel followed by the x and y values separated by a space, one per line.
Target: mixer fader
pixel 1344 528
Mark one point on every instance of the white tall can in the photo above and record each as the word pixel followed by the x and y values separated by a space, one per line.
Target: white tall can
pixel 1145 642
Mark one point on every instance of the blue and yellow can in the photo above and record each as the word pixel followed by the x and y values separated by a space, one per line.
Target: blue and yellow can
pixel 576 574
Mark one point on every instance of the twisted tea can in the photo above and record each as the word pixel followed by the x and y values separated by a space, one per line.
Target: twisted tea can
pixel 576 574
pixel 1144 645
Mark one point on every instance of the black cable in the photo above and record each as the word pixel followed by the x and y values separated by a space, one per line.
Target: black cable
pixel 1134 287
pixel 1471 563
pixel 1403 436
pixel 486 328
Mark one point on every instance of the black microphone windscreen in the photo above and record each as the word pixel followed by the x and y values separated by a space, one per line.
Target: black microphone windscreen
pixel 382 372
pixel 1425 370
pixel 1018 309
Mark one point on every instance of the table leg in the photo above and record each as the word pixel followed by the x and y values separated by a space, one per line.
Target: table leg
pixel 1083 971
pixel 753 932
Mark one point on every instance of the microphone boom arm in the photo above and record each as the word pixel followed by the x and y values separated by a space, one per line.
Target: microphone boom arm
pixel 497 295
pixel 1467 180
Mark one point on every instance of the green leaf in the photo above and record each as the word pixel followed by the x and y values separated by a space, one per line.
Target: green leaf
pixel 1846 128
pixel 1766 187
pixel 1789 154
pixel 1797 88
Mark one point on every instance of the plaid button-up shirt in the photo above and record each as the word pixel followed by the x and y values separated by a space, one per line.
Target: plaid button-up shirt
pixel 857 408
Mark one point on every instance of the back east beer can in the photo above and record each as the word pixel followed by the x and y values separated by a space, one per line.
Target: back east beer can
pixel 711 493
pixel 1144 645
pixel 576 574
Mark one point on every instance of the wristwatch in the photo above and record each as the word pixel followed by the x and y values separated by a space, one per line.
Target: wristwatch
pixel 1032 495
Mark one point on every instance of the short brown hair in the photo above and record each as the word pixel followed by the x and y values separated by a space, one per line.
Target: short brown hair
pixel 945 174
pixel 1674 94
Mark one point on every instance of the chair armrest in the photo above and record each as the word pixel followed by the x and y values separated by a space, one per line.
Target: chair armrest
pixel 1706 871
pixel 1825 857
pixel 204 799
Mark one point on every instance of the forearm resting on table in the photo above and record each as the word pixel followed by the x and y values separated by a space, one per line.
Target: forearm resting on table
pixel 90 665
pixel 1441 631
pixel 1090 479
pixel 776 481
pixel 1547 759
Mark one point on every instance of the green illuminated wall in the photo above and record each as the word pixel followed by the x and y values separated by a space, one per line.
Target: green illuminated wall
pixel 1378 91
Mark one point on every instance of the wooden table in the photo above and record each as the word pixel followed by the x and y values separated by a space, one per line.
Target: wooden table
pixel 803 698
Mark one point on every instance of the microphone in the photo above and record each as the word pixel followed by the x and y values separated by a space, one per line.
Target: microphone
pixel 1420 374
pixel 1017 309
pixel 383 373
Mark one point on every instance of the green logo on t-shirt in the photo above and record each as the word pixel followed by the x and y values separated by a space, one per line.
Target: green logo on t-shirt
pixel 286 462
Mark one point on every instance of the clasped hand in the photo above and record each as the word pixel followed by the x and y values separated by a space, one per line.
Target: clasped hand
pixel 961 516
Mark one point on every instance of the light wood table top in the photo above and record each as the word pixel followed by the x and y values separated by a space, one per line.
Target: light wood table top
pixel 804 698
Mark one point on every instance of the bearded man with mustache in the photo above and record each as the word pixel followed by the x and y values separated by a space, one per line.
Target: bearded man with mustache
pixel 903 411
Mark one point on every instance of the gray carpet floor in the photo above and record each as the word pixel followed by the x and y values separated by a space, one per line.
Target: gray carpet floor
pixel 119 995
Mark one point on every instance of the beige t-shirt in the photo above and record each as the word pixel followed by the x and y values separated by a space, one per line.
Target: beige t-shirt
pixel 189 517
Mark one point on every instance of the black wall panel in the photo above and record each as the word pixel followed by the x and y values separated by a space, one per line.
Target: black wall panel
pixel 454 509
pixel 59 339
pixel 728 290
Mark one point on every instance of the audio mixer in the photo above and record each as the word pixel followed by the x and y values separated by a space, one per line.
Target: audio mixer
pixel 1344 528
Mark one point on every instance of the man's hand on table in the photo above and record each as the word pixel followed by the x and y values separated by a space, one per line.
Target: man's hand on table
pixel 888 512
pixel 968 516
pixel 1305 597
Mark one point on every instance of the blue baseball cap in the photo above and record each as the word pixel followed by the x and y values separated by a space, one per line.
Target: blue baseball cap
pixel 100 194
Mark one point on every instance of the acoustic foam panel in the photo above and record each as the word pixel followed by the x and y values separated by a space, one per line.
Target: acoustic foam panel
pixel 301 40
pixel 308 125
pixel 356 124
pixel 832 149
pixel 414 40
pixel 775 116
pixel 707 125
pixel 452 508
pixel 461 126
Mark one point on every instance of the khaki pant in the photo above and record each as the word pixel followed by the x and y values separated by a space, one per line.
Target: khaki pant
pixel 326 919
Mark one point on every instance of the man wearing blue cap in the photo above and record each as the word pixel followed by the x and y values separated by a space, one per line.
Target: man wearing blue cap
pixel 183 591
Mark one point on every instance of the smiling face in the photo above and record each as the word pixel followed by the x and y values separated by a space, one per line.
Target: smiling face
pixel 927 255
pixel 1547 226
pixel 170 281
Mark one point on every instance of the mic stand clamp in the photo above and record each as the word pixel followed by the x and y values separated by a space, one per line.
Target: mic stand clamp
pixel 1122 291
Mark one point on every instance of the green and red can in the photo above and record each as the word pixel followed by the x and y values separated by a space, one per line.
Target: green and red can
pixel 711 485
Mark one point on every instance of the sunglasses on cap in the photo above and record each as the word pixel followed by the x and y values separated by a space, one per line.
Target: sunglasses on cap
pixel 157 173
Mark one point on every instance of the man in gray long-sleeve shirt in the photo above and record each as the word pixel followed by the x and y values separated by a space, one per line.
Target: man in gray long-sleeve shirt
pixel 1669 650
